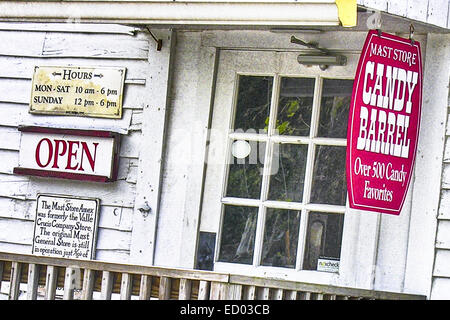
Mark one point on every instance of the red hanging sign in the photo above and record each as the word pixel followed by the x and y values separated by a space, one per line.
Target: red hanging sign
pixel 384 121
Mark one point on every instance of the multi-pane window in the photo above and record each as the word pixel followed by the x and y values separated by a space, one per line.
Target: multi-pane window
pixel 284 196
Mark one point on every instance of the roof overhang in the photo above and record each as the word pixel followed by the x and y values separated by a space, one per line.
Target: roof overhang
pixel 175 13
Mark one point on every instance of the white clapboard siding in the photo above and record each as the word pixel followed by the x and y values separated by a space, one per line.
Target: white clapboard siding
pixel 14 115
pixel 107 239
pixel 26 45
pixel 110 217
pixel 69 27
pixel 430 11
pixel 51 44
pixel 23 68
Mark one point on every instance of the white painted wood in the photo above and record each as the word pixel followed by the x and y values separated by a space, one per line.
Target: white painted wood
pixel 88 284
pixel 203 290
pixel 179 13
pixel 145 289
pixel 440 290
pixel 33 278
pixel 417 9
pixel 54 44
pixel 126 286
pixel 14 287
pixel 107 239
pixel 185 289
pixel 428 167
pixel 50 282
pixel 107 285
pixel 111 217
pixel 69 283
pixel 193 87
pixel 437 12
pixel 165 286
pixel 23 68
pixel 150 174
pixel 69 27
pixel 13 115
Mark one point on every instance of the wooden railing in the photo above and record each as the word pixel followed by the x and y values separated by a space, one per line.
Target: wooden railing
pixel 31 277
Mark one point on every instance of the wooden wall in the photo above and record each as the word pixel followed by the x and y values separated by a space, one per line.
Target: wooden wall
pixel 22 46
pixel 434 12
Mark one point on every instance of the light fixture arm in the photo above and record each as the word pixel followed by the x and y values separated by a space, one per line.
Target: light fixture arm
pixel 311 45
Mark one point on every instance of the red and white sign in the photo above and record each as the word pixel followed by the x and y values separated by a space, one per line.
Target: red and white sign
pixel 384 120
pixel 89 155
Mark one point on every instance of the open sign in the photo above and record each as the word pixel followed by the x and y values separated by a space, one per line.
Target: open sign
pixel 68 153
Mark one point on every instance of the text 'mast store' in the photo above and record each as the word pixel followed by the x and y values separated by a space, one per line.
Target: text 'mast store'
pixel 224 150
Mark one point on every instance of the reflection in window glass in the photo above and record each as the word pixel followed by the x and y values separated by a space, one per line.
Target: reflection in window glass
pixel 280 238
pixel 253 102
pixel 238 234
pixel 323 239
pixel 245 174
pixel 336 96
pixel 295 106
pixel 288 172
pixel 329 180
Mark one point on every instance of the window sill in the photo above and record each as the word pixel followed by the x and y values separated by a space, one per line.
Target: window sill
pixel 307 276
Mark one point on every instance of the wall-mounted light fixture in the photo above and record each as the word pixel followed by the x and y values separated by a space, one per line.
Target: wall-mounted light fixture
pixel 323 59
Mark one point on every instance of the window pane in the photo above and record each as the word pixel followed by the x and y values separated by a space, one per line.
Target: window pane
pixel 288 172
pixel 324 238
pixel 238 234
pixel 280 238
pixel 253 102
pixel 246 172
pixel 295 106
pixel 329 181
pixel 336 96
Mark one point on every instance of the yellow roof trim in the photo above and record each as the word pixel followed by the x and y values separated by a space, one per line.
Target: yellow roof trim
pixel 347 12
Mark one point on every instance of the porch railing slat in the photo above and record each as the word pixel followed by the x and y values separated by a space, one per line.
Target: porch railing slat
pixel 203 290
pixel 125 286
pixel 88 284
pixel 33 279
pixel 145 289
pixel 185 289
pixel 14 288
pixel 50 282
pixel 165 285
pixel 107 285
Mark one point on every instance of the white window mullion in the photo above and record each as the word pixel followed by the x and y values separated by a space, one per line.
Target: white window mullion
pixel 309 173
pixel 259 238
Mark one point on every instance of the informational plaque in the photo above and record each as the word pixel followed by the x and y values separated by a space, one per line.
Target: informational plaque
pixel 65 227
pixel 384 121
pixel 82 91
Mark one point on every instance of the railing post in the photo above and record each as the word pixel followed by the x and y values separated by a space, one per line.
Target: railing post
pixel 14 288
pixel 33 278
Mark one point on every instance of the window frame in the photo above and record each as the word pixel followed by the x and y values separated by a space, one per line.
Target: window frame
pixel 360 234
pixel 270 138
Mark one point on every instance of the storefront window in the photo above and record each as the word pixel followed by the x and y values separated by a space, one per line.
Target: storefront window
pixel 285 189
